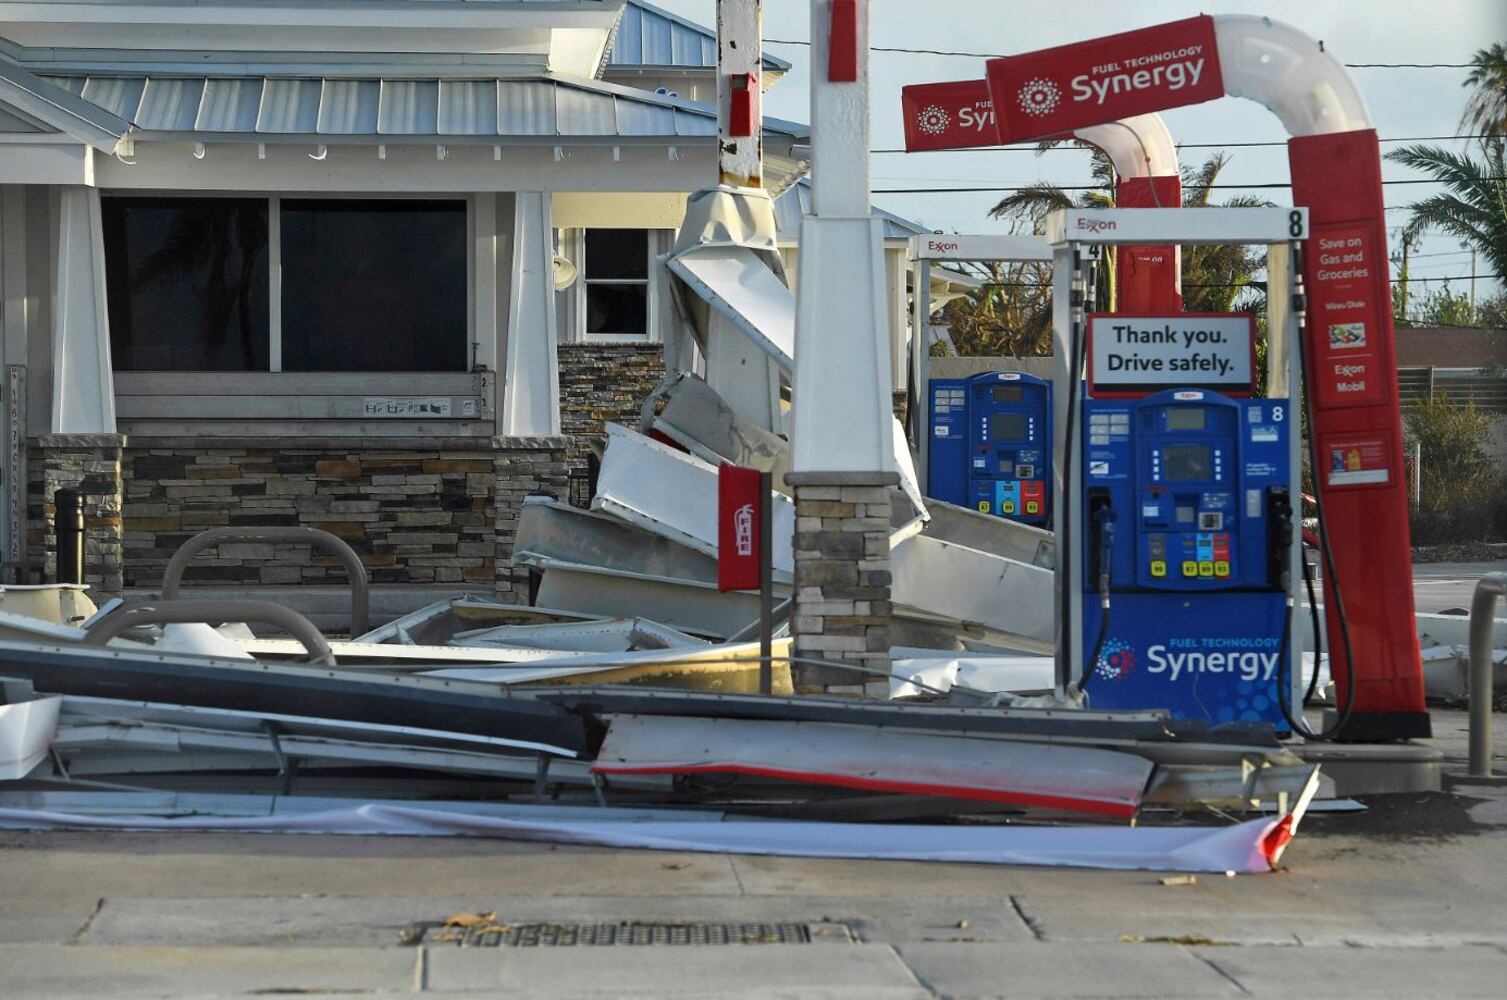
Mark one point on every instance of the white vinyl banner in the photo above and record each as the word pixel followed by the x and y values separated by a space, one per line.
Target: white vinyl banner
pixel 1181 351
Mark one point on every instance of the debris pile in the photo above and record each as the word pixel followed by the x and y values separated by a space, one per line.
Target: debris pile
pixel 621 709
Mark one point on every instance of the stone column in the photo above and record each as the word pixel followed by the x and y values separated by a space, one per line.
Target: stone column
pixel 91 464
pixel 525 466
pixel 842 579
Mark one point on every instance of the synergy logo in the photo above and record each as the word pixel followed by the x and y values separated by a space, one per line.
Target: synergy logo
pixel 1172 70
pixel 1115 661
pixel 933 119
pixel 1039 96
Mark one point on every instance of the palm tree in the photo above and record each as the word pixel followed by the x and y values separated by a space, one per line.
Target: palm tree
pixel 1486 110
pixel 1473 205
pixel 1213 276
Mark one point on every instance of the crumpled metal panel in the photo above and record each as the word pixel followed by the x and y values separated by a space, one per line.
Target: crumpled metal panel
pixel 526 107
pixel 408 107
pixel 348 107
pixel 229 106
pixel 169 105
pixel 1044 776
pixel 468 107
pixel 674 495
pixel 289 107
pixel 583 112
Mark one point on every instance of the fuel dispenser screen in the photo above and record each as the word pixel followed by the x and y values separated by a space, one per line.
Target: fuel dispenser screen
pixel 990 446
pixel 1185 463
pixel 1008 427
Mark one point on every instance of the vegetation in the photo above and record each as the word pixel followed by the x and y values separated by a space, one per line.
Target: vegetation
pixel 1011 314
pixel 1462 493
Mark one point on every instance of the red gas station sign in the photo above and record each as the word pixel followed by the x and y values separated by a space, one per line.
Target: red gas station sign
pixel 1061 89
pixel 953 115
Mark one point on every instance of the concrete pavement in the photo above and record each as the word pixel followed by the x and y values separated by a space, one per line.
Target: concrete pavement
pixel 1407 900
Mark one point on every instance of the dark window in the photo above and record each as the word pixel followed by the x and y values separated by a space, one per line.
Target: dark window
pixel 376 286
pixel 617 282
pixel 186 283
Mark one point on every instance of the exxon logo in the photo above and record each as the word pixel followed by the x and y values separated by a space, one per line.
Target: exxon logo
pixel 1094 225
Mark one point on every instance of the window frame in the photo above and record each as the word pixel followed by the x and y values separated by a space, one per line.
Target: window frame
pixel 275 257
pixel 573 246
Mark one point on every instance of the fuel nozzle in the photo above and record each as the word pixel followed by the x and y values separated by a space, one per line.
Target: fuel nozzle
pixel 1279 537
pixel 1102 514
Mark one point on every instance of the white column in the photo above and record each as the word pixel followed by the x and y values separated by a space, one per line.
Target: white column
pixel 740 51
pixel 484 280
pixel 83 391
pixel 842 356
pixel 531 382
pixel 897 271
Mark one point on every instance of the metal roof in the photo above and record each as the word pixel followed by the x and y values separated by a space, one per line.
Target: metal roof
pixel 58 107
pixel 649 36
pixel 796 202
pixel 538 106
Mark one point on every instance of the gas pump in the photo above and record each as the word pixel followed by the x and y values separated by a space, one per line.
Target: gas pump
pixel 1177 550
pixel 1189 530
pixel 991 440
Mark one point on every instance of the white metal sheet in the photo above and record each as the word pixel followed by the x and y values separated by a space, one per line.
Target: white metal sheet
pixel 1035 775
pixel 674 495
pixel 739 285
pixel 1250 847
pixel 26 732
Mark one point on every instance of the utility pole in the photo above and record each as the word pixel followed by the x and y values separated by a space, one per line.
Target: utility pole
pixel 740 58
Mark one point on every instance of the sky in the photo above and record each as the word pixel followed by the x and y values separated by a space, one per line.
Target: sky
pixel 1403 102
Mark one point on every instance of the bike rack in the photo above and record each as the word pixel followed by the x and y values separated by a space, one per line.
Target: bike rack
pixel 210 612
pixel 360 585
pixel 1482 607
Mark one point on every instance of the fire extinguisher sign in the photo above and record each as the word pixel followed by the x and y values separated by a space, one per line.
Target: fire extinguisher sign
pixel 739 500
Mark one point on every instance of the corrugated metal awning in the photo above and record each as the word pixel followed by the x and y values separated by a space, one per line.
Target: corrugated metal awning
pixel 491 108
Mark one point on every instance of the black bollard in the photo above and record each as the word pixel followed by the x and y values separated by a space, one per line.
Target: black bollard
pixel 68 532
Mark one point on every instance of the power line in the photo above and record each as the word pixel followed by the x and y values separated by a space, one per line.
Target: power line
pixel 1098 187
pixel 1003 55
pixel 1033 148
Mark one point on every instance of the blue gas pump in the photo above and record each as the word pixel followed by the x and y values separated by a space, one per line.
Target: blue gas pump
pixel 991 444
pixel 1186 574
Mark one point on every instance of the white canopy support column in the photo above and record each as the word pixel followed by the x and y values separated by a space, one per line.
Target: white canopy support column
pixel 81 450
pixel 531 384
pixel 740 58
pixel 843 454
pixel 83 393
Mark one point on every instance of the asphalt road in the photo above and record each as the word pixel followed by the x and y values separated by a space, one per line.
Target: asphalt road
pixel 1443 586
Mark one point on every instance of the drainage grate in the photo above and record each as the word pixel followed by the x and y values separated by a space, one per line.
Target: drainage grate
pixel 498 935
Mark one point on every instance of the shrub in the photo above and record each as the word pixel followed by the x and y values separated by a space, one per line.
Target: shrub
pixel 1460 488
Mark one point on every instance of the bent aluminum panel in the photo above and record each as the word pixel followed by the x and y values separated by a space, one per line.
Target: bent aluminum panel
pixel 987 533
pixel 278 689
pixel 614 635
pixel 550 531
pixel 674 495
pixel 737 283
pixel 1079 779
pixel 1007 596
pixel 26 734
pixel 684 604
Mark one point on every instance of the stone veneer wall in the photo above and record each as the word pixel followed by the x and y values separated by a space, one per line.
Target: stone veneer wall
pixel 415 511
pixel 524 466
pixel 601 383
pixel 91 464
pixel 842 580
